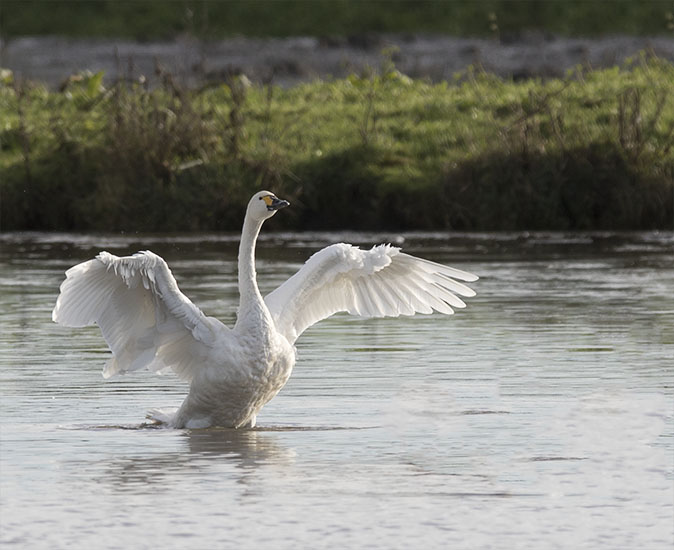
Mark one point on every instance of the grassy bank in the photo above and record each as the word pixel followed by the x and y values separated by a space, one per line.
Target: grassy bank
pixel 161 19
pixel 592 151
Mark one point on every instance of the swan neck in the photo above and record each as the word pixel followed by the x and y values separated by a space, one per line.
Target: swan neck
pixel 248 290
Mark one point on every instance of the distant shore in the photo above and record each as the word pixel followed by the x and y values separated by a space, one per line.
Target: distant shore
pixel 590 151
pixel 289 61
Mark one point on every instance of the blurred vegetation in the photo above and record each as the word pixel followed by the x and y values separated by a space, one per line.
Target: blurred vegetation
pixel 161 19
pixel 591 151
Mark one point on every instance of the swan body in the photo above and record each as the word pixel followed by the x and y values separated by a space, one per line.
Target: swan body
pixel 149 323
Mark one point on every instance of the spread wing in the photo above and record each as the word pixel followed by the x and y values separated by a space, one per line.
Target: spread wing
pixel 379 282
pixel 144 318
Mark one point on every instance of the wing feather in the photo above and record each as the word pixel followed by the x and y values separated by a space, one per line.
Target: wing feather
pixel 388 294
pixel 373 283
pixel 401 302
pixel 144 318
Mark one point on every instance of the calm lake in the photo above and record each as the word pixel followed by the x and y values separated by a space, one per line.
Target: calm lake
pixel 541 417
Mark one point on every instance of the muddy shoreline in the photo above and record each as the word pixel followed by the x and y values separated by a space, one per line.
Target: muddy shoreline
pixel 290 61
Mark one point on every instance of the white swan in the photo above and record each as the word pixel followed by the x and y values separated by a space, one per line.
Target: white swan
pixel 149 323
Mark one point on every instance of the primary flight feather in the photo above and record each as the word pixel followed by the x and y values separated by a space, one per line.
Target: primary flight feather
pixel 149 323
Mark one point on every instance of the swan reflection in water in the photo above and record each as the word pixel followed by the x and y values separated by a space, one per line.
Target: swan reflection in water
pixel 238 454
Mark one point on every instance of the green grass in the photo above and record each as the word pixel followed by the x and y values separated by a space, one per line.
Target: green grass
pixel 153 19
pixel 591 151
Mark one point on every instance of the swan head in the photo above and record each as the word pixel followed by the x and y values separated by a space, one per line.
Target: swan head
pixel 264 205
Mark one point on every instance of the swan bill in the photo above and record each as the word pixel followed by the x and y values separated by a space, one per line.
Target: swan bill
pixel 274 203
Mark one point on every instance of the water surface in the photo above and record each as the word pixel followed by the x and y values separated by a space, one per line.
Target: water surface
pixel 539 417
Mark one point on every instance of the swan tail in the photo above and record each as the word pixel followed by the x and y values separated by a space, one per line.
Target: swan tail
pixel 162 417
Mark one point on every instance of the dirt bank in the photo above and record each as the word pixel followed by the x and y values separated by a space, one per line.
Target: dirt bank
pixel 292 60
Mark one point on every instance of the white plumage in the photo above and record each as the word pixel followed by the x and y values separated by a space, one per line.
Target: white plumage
pixel 149 323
